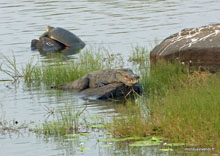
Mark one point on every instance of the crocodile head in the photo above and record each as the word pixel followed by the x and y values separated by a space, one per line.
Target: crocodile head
pixel 126 76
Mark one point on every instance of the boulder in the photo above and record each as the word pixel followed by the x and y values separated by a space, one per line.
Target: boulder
pixel 200 47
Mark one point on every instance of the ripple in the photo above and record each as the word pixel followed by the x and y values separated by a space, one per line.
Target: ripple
pixel 116 24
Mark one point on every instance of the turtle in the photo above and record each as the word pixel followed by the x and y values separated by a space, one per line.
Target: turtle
pixel 46 45
pixel 65 37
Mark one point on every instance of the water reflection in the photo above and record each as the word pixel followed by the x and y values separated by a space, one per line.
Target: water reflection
pixel 63 55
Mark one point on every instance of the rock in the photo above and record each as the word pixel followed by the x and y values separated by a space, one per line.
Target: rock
pixel 113 90
pixel 198 46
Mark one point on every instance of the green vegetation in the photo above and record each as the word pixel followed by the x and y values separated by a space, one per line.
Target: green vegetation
pixel 191 114
pixel 121 139
pixel 60 72
pixel 149 142
pixel 13 126
pixel 132 120
pixel 139 55
pixel 66 121
pixel 10 68
pixel 163 77
pixel 182 107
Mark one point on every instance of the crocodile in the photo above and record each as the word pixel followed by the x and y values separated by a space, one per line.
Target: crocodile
pixel 101 78
pixel 110 91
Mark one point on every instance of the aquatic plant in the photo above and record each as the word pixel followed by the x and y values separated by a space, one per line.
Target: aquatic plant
pixel 10 68
pixel 184 107
pixel 156 80
pixel 191 114
pixel 132 119
pixel 65 121
pixel 61 72
pixel 152 141
pixel 139 55
pixel 12 126
pixel 162 77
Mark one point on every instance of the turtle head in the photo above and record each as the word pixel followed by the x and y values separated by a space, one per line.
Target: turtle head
pixel 49 28
pixel 34 44
pixel 127 76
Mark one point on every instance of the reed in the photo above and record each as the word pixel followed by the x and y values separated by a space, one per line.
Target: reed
pixel 10 68
pixel 60 72
pixel 182 107
pixel 63 71
pixel 139 55
pixel 191 114
pixel 131 120
pixel 65 121
pixel 162 77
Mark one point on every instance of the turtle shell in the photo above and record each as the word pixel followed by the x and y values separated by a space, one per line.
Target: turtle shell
pixel 65 37
pixel 48 45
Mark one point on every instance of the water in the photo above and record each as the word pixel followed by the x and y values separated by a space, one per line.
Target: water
pixel 116 25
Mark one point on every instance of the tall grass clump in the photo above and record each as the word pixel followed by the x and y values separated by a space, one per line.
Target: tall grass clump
pixel 186 108
pixel 139 55
pixel 66 121
pixel 191 114
pixel 139 58
pixel 162 77
pixel 10 68
pixel 158 78
pixel 61 72
pixel 131 120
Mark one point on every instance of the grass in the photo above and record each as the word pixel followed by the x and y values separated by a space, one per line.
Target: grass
pixel 183 107
pixel 139 55
pixel 191 114
pixel 131 121
pixel 62 72
pixel 10 68
pixel 13 126
pixel 162 77
pixel 65 121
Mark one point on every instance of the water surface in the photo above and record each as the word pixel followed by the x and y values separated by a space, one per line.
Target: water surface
pixel 117 25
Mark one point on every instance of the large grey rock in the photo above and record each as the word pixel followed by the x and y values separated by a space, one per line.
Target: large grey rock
pixel 197 46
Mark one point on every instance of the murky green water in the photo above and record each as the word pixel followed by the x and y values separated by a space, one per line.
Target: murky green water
pixel 116 25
